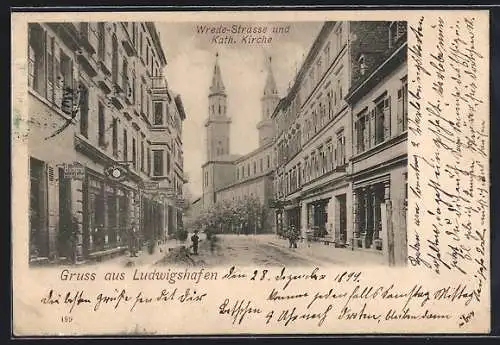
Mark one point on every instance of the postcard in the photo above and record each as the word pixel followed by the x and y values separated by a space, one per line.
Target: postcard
pixel 250 172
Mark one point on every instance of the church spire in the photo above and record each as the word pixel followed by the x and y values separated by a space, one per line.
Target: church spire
pixel 270 89
pixel 217 84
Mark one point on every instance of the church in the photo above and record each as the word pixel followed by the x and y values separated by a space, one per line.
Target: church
pixel 229 176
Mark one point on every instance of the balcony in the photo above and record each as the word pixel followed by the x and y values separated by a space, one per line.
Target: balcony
pixel 185 177
pixel 69 34
pixel 87 62
pixel 104 83
pixel 117 99
pixel 128 45
pixel 86 39
pixel 159 85
pixel 129 92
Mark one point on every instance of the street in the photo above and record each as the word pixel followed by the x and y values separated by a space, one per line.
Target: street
pixel 247 250
pixel 253 250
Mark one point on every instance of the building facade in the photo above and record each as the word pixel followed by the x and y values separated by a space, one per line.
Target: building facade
pixel 98 99
pixel 378 166
pixel 230 177
pixel 322 173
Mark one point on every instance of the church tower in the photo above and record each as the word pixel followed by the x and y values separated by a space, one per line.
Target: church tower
pixel 218 122
pixel 269 101
pixel 218 164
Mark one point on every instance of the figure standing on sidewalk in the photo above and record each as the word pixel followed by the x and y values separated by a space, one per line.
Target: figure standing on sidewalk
pixel 132 245
pixel 194 240
pixel 292 236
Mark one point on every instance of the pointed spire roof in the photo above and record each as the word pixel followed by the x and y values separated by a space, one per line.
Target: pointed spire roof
pixel 217 84
pixel 270 89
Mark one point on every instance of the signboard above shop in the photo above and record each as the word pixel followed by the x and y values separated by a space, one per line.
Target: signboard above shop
pixel 150 185
pixel 74 171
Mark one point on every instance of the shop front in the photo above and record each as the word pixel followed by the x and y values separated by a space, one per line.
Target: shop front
pixel 369 201
pixel 38 211
pixel 293 217
pixel 317 217
pixel 106 214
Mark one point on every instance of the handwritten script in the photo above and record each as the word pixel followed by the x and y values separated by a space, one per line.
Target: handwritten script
pixel 448 151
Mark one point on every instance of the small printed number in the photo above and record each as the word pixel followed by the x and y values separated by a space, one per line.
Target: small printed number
pixel 66 319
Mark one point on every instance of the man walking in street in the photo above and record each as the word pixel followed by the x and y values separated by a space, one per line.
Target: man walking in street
pixel 195 239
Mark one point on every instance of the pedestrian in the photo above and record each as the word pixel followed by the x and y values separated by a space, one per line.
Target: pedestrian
pixel 133 240
pixel 98 237
pixel 290 236
pixel 194 240
pixel 295 237
pixel 213 239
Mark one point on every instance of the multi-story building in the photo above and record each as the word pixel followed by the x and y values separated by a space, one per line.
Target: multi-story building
pixel 98 99
pixel 378 98
pixel 316 167
pixel 312 146
pixel 232 177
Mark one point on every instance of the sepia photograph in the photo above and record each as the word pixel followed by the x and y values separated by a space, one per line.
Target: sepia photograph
pixel 250 172
pixel 303 159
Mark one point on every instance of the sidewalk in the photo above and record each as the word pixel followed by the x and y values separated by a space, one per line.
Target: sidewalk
pixel 327 253
pixel 143 258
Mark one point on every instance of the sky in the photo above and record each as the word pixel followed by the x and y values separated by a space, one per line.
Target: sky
pixel 190 61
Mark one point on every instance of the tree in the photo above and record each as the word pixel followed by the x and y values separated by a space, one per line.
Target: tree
pixel 245 215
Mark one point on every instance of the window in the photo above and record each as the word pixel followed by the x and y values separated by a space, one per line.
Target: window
pixel 115 137
pixel 248 169
pixel 142 98
pixel 242 172
pixel 50 71
pixel 329 155
pixel 397 30
pixel 319 68
pixel 362 65
pixel 340 148
pixel 339 86
pixel 382 118
pixel 101 48
pixel 125 87
pixel 158 113
pixel 299 177
pixel 114 60
pixel 36 58
pixel 134 153
pixel 402 112
pixel 84 111
pixel 254 168
pixel 206 178
pixel 149 161
pixel 261 165
pixel 125 146
pixel 141 43
pixel 101 126
pixel 158 162
pixel 327 54
pixel 330 105
pixel 339 38
pixel 168 163
pixel 66 71
pixel 134 34
pixel 361 130
pixel 268 162
pixel 143 167
pixel 237 173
